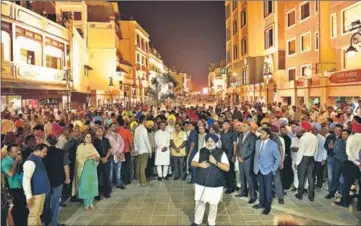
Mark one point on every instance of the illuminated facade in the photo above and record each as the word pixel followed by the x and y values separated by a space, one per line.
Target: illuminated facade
pixel 134 47
pixel 39 64
pixel 217 83
pixel 292 58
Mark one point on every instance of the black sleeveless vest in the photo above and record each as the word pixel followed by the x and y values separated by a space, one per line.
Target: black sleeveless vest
pixel 215 175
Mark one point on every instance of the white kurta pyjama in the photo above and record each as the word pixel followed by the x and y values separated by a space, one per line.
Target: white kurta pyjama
pixel 210 195
pixel 162 139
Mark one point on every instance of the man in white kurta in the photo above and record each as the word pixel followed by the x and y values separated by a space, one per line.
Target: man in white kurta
pixel 162 154
pixel 204 193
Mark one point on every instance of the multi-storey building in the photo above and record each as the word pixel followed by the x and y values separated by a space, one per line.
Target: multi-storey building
pixel 217 83
pixel 43 63
pixel 134 47
pixel 293 58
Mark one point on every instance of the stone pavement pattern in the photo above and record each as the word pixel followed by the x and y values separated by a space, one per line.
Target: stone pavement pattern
pixel 171 203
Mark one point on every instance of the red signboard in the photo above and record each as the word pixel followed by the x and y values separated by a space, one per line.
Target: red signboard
pixel 300 82
pixel 315 81
pixel 346 76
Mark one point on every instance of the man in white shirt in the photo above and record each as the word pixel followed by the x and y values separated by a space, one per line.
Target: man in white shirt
pixel 305 161
pixel 143 149
pixel 320 158
pixel 162 153
pixel 36 183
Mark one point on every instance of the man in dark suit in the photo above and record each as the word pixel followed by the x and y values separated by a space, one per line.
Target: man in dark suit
pixel 266 162
pixel 245 155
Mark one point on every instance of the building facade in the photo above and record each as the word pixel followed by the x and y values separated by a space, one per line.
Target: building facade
pixel 217 84
pixel 134 47
pixel 297 54
pixel 39 65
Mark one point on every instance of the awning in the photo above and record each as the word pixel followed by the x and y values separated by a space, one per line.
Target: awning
pixel 27 85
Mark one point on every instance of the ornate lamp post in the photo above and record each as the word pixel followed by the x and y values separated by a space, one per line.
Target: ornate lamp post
pixel 355 38
pixel 111 87
pixel 267 77
pixel 67 78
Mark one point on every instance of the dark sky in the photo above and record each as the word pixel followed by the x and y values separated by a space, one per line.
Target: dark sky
pixel 188 35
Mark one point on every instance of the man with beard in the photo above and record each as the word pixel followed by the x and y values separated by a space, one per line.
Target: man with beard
pixel 295 144
pixel 287 176
pixel 208 189
pixel 162 155
pixel 149 172
pixel 320 158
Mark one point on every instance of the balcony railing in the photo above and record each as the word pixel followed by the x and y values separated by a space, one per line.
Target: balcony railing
pixel 27 72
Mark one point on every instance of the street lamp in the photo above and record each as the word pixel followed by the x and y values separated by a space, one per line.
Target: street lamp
pixel 68 84
pixel 267 77
pixel 111 87
pixel 351 50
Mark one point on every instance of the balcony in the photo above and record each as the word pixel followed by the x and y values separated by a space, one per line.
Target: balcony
pixel 20 14
pixel 27 72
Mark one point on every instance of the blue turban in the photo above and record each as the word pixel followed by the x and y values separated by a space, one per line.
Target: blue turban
pixel 317 126
pixel 214 137
pixel 332 125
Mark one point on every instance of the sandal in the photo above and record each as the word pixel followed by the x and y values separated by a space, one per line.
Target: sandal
pixel 86 209
pixel 93 207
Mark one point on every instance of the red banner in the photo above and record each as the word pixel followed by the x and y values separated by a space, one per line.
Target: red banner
pixel 346 76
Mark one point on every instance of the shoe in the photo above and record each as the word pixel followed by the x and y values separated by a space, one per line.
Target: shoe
pixel 238 188
pixel 258 206
pixel 166 178
pixel 294 189
pixel 340 204
pixel 98 198
pixel 251 201
pixel 159 179
pixel 266 211
pixel 120 187
pixel 240 195
pixel 190 182
pixel 229 191
pixel 311 199
pixel 107 196
pixel 176 178
pixel 194 224
pixel 184 178
pixel 329 196
pixel 281 201
pixel 298 196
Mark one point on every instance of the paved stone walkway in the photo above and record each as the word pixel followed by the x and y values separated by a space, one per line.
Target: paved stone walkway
pixel 171 203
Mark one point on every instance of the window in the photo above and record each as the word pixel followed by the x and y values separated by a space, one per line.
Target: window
pixel 349 15
pixel 244 76
pixel 27 56
pixel 268 8
pixel 2 51
pixel 333 26
pixel 291 18
pixel 291 74
pixel 243 17
pixel 86 71
pixel 235 26
pixel 138 41
pixel 305 10
pixel 53 62
pixel 235 52
pixel 66 15
pixel 228 34
pixel 317 6
pixel 146 62
pixel 142 59
pixel 138 58
pixel 234 5
pixel 244 45
pixel 269 38
pixel 317 40
pixel 291 47
pixel 228 57
pixel 304 68
pixel 77 15
pixel 142 44
pixel 306 42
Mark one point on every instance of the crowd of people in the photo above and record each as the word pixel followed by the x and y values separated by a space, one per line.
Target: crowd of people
pixel 257 151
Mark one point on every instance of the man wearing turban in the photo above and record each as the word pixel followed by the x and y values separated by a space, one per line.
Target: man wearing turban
pixel 170 127
pixel 305 160
pixel 210 163
pixel 320 158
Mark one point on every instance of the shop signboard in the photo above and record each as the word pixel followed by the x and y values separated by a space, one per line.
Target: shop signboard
pixel 346 76
pixel 40 74
pixel 316 81
pixel 300 82
pixel 6 69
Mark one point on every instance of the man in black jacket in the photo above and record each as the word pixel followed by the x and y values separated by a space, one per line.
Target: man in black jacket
pixel 58 173
pixel 245 154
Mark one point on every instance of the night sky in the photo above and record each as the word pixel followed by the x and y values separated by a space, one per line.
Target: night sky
pixel 188 35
